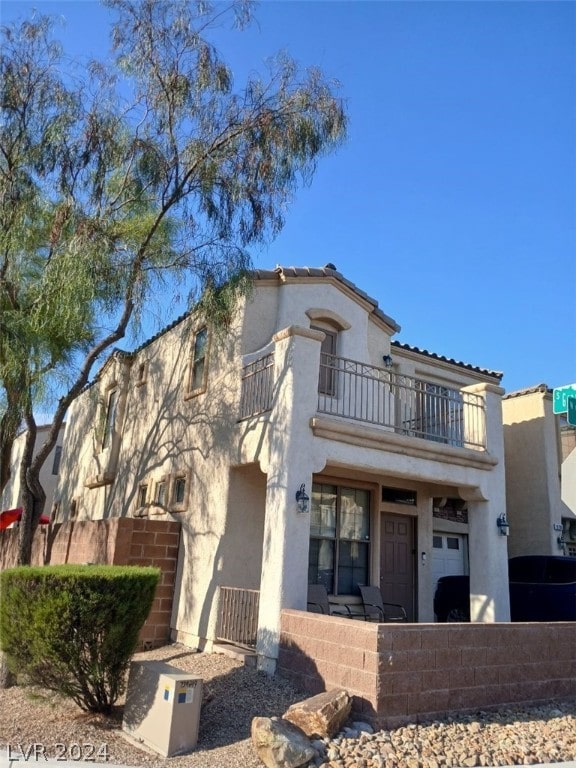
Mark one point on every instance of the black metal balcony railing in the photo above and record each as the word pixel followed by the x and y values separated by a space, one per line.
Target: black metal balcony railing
pixel 257 383
pixel 360 392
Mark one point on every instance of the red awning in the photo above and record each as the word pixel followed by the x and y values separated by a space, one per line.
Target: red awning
pixel 10 516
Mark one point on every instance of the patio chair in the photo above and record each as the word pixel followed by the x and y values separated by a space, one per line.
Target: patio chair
pixel 376 609
pixel 318 602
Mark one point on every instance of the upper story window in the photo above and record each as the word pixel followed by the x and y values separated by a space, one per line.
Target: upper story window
pixel 57 459
pixel 141 374
pixel 199 363
pixel 110 421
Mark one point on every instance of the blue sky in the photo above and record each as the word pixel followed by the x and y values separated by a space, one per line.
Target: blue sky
pixel 453 202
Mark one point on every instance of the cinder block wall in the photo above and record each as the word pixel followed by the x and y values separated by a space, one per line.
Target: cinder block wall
pixel 407 672
pixel 119 541
pixel 154 542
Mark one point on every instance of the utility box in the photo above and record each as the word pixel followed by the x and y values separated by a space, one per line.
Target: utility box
pixel 162 707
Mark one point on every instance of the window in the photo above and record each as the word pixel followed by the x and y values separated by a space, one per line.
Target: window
pixel 142 495
pixel 328 363
pixel 161 493
pixel 339 538
pixel 179 491
pixel 57 458
pixel 199 362
pixel 110 421
pixel 399 496
pixel 141 374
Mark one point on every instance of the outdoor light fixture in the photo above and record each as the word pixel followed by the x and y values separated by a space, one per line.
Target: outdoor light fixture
pixel 503 524
pixel 387 360
pixel 561 541
pixel 302 499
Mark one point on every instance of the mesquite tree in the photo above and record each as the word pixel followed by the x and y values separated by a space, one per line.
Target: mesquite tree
pixel 119 176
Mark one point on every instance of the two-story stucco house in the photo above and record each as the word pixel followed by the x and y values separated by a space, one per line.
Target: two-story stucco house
pixel 399 451
pixel 540 450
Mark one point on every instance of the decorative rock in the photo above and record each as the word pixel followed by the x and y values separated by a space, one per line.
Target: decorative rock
pixel 333 754
pixel 321 715
pixel 280 744
pixel 362 727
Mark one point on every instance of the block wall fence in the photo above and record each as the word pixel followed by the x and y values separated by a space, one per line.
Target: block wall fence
pixel 118 541
pixel 399 673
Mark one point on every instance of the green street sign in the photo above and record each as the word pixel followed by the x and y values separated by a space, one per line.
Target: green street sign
pixel 572 410
pixel 561 395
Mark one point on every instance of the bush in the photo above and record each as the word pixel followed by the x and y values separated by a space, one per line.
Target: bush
pixel 73 628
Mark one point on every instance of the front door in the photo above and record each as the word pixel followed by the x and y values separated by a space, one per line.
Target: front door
pixel 397 561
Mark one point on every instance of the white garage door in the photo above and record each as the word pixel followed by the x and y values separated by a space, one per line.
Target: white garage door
pixel 449 557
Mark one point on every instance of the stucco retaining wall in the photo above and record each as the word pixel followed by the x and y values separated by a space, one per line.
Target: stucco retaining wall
pixel 407 672
pixel 118 541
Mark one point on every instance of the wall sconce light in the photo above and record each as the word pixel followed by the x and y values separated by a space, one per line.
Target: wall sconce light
pixel 503 525
pixel 561 541
pixel 423 558
pixel 302 499
pixel 387 360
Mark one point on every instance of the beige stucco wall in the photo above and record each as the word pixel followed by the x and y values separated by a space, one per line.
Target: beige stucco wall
pixel 533 469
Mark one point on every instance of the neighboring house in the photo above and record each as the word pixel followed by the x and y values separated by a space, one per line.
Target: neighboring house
pixel 399 450
pixel 12 497
pixel 540 450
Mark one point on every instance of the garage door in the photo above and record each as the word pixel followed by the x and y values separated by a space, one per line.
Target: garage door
pixel 449 555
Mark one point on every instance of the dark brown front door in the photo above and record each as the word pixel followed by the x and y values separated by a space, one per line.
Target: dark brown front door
pixel 397 561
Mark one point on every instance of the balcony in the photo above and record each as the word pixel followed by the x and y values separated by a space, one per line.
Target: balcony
pixel 379 397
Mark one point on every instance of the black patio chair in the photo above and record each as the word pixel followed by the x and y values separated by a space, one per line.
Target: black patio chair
pixel 375 609
pixel 318 602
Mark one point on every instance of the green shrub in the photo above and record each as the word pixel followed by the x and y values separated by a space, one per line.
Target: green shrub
pixel 73 628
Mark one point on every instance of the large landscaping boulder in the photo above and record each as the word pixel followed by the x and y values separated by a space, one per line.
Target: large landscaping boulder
pixel 280 744
pixel 323 715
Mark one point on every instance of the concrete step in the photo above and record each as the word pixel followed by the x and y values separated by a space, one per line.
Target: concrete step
pixel 247 656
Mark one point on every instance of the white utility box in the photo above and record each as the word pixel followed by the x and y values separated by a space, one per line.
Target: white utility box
pixel 162 707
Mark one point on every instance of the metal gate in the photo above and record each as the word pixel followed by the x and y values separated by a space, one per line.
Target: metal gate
pixel 238 616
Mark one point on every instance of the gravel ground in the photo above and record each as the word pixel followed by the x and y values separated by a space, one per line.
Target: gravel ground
pixel 234 694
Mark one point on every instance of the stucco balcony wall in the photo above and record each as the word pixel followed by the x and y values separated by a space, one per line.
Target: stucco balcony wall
pixel 410 672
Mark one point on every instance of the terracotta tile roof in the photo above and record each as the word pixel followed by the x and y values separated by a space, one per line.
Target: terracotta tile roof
pixel 329 271
pixel 469 367
pixel 544 388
